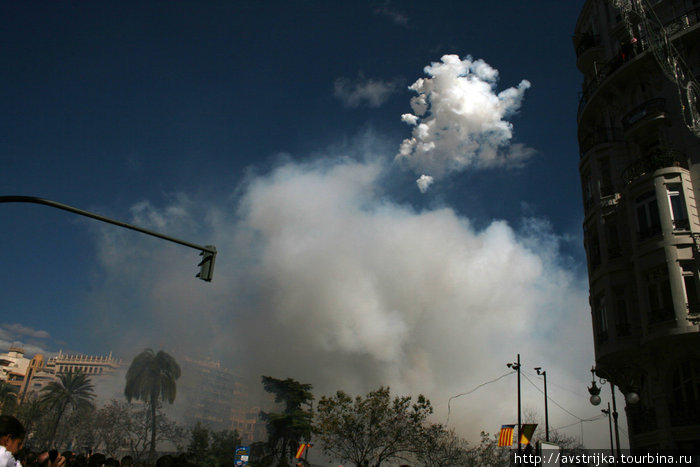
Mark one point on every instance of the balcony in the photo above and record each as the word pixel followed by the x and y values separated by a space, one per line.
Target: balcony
pixel 673 27
pixel 602 73
pixel 651 110
pixel 657 160
pixel 693 312
pixel 606 135
pixel 681 225
pixel 685 21
pixel 588 50
pixel 587 42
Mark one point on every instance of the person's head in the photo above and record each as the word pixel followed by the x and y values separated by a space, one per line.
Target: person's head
pixel 127 461
pixel 11 433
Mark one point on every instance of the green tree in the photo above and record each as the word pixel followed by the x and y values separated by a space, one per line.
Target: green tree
pixel 152 377
pixel 223 445
pixel 288 429
pixel 436 446
pixel 71 391
pixel 199 441
pixel 488 453
pixel 373 429
pixel 112 426
pixel 30 413
pixel 8 398
pixel 212 448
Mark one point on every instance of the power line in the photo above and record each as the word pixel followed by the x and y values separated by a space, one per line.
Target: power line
pixel 553 401
pixel 593 419
pixel 449 401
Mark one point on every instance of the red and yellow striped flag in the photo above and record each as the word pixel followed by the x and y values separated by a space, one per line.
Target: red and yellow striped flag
pixel 506 436
pixel 302 448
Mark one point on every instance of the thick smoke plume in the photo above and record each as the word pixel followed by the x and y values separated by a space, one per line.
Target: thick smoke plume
pixel 321 278
pixel 459 121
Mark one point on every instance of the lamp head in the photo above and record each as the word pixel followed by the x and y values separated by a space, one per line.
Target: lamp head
pixel 632 397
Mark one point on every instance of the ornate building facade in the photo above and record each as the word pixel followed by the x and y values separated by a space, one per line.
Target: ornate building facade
pixel 639 140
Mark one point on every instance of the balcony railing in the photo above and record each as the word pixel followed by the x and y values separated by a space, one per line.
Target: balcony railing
pixel 602 74
pixel 601 136
pixel 649 108
pixel 653 162
pixel 674 26
pixel 682 22
pixel 681 224
pixel 693 311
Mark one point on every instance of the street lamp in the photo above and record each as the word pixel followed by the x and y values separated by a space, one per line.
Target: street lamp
pixel 594 391
pixel 546 411
pixel 516 366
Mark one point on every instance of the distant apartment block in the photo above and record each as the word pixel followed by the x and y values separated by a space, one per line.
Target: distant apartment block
pixel 31 375
pixel 217 397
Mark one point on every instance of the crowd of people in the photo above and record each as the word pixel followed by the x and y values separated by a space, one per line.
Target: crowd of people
pixel 13 453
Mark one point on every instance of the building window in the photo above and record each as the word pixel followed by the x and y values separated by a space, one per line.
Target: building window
pixel 601 318
pixel 679 214
pixel 690 284
pixel 613 240
pixel 659 296
pixel 622 324
pixel 594 248
pixel 685 390
pixel 648 223
pixel 587 190
pixel 605 184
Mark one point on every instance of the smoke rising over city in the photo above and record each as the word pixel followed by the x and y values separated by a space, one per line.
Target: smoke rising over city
pixel 326 275
pixel 323 278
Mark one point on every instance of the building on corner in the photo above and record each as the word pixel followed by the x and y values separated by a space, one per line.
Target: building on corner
pixel 639 140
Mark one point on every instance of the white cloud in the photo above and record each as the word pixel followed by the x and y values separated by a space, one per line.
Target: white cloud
pixel 424 182
pixel 321 278
pixel 369 92
pixel 459 120
pixel 20 330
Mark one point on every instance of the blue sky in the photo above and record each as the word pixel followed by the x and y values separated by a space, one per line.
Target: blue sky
pixel 271 130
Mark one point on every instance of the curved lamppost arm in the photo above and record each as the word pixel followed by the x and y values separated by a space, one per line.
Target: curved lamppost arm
pixel 208 251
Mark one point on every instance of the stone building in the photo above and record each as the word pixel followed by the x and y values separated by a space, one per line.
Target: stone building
pixel 639 139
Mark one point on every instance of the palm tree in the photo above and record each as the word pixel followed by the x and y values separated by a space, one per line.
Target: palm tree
pixel 152 377
pixel 71 389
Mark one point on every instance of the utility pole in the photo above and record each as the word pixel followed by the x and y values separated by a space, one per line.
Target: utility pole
pixel 546 410
pixel 208 252
pixel 516 366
